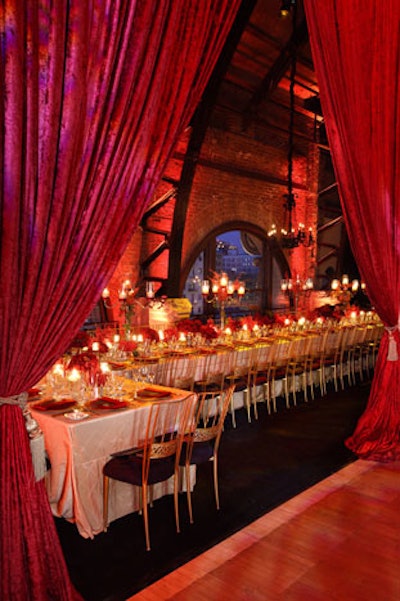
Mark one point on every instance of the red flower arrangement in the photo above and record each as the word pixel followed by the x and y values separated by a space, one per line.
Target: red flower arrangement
pixel 127 346
pixel 104 334
pixel 208 331
pixel 86 362
pixel 233 324
pixel 147 333
pixel 171 334
pixel 190 326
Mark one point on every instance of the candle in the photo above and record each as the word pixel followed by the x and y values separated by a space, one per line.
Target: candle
pixel 58 369
pixel 160 335
pixel 95 347
pixel 105 293
pixel 140 338
pixel 223 281
pixel 74 375
pixel 335 284
pixel 205 287
pixel 104 367
pixel 231 288
pixel 150 290
pixel 241 290
pixel 116 338
pixel 182 337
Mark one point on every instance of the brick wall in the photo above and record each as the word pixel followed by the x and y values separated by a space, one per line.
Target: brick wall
pixel 240 179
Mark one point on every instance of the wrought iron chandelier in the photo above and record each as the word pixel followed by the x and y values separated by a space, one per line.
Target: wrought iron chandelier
pixel 291 236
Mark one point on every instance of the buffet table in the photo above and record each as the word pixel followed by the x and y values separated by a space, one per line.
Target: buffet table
pixel 77 452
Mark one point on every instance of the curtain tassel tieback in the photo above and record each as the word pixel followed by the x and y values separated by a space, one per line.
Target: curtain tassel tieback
pixel 36 438
pixel 392 348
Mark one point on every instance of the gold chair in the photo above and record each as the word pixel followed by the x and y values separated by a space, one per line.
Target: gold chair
pixel 314 361
pixel 179 372
pixel 201 443
pixel 216 367
pixel 330 359
pixel 260 375
pixel 346 354
pixel 156 457
pixel 297 365
pixel 240 377
pixel 278 369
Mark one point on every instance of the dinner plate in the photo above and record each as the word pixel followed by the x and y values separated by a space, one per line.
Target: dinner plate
pixel 108 404
pixel 76 415
pixel 53 405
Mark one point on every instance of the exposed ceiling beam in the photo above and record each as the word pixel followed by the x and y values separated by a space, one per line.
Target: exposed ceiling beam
pixel 277 71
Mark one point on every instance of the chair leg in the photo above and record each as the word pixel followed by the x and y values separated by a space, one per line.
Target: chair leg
pixel 189 492
pixel 233 412
pixel 106 485
pixel 294 395
pixel 305 384
pixel 146 516
pixel 176 501
pixel 253 399
pixel 215 474
pixel 247 402
pixel 267 396
pixel 286 387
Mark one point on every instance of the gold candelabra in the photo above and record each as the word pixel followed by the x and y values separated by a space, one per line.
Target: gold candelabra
pixel 297 288
pixel 220 291
pixel 343 290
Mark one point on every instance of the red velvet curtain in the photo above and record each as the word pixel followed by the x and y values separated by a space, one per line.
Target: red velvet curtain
pixel 356 50
pixel 93 96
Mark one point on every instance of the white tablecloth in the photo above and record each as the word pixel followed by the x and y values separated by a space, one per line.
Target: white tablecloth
pixel 78 452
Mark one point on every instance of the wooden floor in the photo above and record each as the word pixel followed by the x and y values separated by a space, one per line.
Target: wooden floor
pixel 339 540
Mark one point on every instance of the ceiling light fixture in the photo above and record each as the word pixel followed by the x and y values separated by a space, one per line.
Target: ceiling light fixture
pixel 290 237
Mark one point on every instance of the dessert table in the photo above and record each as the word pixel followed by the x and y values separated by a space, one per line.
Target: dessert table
pixel 78 449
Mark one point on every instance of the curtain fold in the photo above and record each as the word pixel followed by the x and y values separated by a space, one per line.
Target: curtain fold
pixel 94 95
pixel 355 48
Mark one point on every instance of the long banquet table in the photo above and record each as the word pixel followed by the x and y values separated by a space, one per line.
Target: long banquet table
pixel 78 450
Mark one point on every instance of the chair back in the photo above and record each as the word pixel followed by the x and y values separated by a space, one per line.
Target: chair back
pixel 209 418
pixel 179 372
pixel 168 422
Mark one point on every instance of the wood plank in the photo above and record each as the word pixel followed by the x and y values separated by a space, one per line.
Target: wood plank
pixel 338 540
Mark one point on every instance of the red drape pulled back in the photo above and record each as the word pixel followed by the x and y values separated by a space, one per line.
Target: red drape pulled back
pixel 356 51
pixel 94 95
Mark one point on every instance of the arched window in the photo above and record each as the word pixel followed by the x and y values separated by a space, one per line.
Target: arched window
pixel 246 257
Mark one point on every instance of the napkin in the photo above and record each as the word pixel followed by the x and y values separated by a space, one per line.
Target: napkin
pixel 108 403
pixel 52 405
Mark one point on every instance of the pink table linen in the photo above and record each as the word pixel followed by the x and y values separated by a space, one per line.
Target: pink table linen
pixel 78 451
